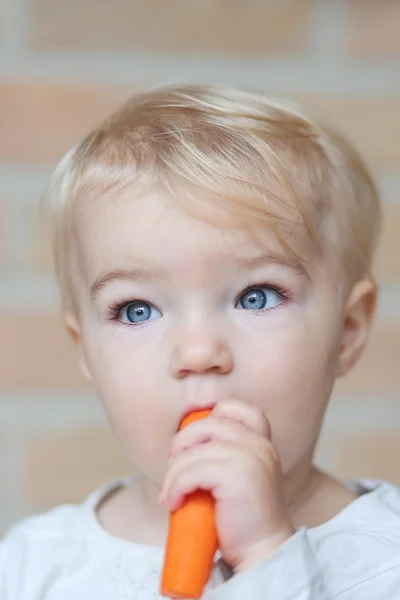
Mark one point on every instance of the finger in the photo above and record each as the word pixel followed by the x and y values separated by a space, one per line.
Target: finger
pixel 217 429
pixel 239 460
pixel 201 474
pixel 244 412
pixel 211 453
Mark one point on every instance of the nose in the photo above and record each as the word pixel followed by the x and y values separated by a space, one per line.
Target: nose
pixel 200 353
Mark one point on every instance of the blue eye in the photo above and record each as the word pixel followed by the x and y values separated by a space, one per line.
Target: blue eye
pixel 138 312
pixel 259 298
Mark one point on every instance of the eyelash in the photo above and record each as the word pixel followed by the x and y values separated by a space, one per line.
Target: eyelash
pixel 282 292
pixel 116 308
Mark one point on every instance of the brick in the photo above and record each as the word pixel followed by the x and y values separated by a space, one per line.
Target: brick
pixel 372 30
pixel 3 24
pixel 40 120
pixel 371 122
pixel 36 353
pixel 68 466
pixel 370 454
pixel 388 256
pixel 8 467
pixel 37 255
pixel 11 505
pixel 5 496
pixel 378 371
pixel 40 258
pixel 4 228
pixel 218 26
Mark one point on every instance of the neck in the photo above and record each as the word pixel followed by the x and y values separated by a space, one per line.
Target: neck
pixel 311 497
pixel 300 488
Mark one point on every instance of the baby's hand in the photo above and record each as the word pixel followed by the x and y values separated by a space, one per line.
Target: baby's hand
pixel 231 455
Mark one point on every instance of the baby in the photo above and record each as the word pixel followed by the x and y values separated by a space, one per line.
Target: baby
pixel 214 250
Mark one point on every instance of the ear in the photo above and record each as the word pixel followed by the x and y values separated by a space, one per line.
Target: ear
pixel 73 328
pixel 358 319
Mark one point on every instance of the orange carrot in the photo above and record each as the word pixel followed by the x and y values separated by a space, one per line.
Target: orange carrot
pixel 192 541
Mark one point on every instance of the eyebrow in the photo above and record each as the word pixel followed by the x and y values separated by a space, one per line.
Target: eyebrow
pixel 136 274
pixel 139 274
pixel 276 259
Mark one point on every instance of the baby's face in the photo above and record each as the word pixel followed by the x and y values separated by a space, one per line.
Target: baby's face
pixel 175 312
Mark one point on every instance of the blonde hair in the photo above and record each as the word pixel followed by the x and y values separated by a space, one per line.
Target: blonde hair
pixel 218 150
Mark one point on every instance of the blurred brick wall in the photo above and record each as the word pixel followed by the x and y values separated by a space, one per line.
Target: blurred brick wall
pixel 63 65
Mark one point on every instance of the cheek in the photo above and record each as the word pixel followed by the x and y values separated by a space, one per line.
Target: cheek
pixel 120 367
pixel 293 357
pixel 291 377
pixel 124 380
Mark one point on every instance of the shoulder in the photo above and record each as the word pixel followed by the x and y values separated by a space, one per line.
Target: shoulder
pixel 378 505
pixel 65 523
pixel 39 547
pixel 50 527
pixel 362 542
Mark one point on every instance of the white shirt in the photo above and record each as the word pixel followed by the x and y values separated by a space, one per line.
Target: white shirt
pixel 65 554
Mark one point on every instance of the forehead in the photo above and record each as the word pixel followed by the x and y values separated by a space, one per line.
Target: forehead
pixel 153 226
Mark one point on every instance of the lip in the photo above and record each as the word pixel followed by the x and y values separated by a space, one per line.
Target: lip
pixel 193 408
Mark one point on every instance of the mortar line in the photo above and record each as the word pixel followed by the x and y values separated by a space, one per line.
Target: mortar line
pixel 302 74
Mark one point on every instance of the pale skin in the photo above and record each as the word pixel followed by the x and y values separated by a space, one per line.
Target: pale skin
pixel 217 322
